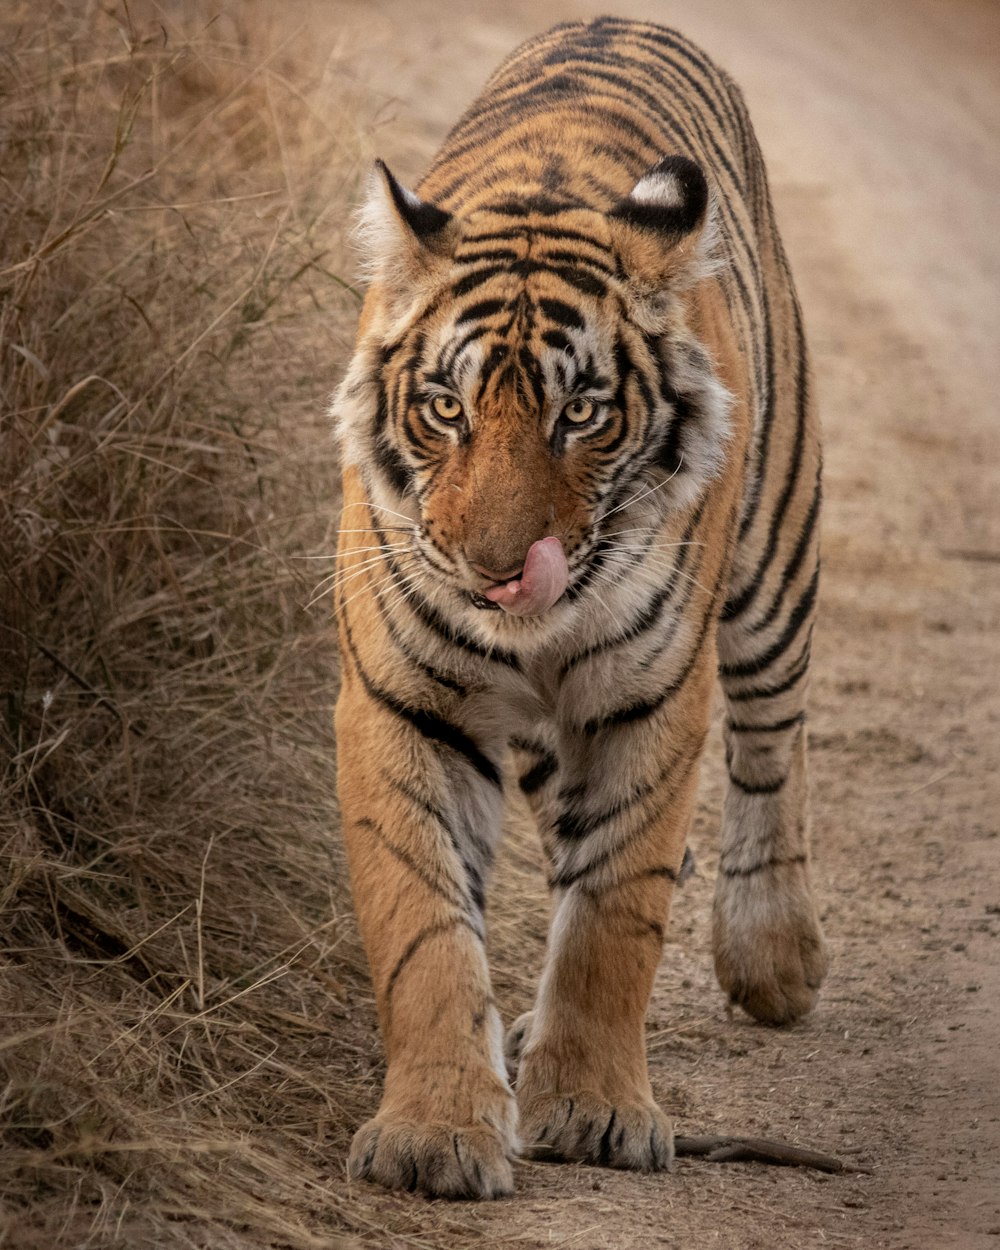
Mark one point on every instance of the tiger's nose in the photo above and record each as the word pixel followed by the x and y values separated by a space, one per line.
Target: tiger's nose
pixel 494 576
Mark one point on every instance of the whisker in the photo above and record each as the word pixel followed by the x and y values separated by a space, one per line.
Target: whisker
pixel 373 589
pixel 353 550
pixel 382 529
pixel 404 586
pixel 341 577
pixel 641 494
pixel 649 546
pixel 637 529
pixel 655 578
pixel 379 508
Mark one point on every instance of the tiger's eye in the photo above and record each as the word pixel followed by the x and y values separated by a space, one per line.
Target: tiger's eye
pixel 579 410
pixel 446 407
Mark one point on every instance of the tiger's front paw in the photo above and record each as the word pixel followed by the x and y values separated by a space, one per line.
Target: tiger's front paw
pixel 769 952
pixel 432 1159
pixel 585 1128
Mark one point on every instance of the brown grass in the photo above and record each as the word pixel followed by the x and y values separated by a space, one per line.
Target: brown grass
pixel 185 1021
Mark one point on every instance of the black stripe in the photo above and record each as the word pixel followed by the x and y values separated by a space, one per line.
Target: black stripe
pixel 670 633
pixel 774 727
pixel 660 870
pixel 749 668
pixel 533 780
pixel 394 468
pixel 562 314
pixel 755 493
pixel 476 842
pixel 387 456
pixel 432 930
pixel 581 279
pixel 450 353
pixel 564 880
pixel 574 826
pixel 643 709
pixel 494 236
pixel 558 340
pixel 543 231
pixel 668 456
pixel 526 205
pixel 664 37
pixel 442 679
pixel 494 362
pixel 757 787
pixel 584 281
pixel 794 563
pixel 650 615
pixel 473 257
pixel 739 603
pixel 418 801
pixel 485 308
pixel 531 377
pixel 798 671
pixel 640 710
pixel 596 563
pixel 576 259
pixel 530 745
pixel 453 896
pixel 426 723
pixel 471 280
pixel 776 862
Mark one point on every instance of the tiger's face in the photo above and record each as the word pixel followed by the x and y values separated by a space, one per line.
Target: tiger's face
pixel 524 375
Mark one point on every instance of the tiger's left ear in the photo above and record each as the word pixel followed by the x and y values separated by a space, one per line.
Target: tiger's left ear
pixel 663 233
pixel 403 239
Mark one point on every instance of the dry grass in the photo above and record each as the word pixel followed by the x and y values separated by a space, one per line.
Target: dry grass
pixel 187 1037
pixel 184 1015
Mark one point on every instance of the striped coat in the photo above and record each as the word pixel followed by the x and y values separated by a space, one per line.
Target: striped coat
pixel 581 481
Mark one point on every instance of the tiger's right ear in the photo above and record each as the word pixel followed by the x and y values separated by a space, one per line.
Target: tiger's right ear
pixel 664 235
pixel 404 240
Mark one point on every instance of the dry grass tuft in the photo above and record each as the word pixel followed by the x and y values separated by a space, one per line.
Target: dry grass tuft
pixel 179 1052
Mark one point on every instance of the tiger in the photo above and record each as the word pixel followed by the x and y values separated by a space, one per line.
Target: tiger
pixel 581 480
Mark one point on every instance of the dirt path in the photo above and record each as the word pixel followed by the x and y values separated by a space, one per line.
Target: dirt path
pixel 879 124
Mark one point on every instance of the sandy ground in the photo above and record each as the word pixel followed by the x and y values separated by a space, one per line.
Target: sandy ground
pixel 879 124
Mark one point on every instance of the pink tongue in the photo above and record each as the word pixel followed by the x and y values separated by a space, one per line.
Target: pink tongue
pixel 542 581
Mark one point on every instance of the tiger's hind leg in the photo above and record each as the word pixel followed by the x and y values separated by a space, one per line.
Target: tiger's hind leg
pixel 767 942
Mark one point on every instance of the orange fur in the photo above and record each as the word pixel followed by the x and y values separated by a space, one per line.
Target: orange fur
pixel 598 225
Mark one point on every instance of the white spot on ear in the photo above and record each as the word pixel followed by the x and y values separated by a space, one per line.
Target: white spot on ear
pixel 663 190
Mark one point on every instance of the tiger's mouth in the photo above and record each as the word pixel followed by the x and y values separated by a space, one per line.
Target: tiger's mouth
pixel 480 601
pixel 538 585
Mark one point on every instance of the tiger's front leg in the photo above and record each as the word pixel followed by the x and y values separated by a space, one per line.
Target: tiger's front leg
pixel 616 843
pixel 418 822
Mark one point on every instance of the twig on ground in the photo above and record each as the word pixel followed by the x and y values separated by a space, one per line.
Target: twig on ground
pixel 758 1150
pixel 973 555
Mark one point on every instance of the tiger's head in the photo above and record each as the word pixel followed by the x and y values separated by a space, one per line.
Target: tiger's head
pixel 525 371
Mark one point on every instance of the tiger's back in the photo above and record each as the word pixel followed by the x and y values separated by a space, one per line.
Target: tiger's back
pixel 581 478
